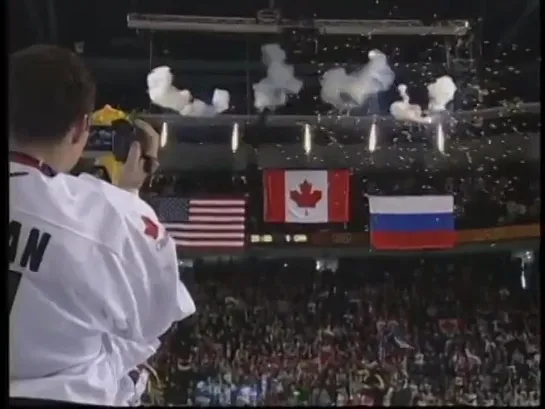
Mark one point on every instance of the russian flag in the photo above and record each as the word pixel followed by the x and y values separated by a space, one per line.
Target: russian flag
pixel 412 222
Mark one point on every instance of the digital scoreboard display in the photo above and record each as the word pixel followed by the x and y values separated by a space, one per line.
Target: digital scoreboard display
pixel 322 238
pixel 278 238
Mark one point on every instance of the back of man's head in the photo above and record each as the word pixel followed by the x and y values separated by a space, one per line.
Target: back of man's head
pixel 50 92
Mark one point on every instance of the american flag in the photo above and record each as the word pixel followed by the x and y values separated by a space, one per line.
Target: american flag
pixel 203 223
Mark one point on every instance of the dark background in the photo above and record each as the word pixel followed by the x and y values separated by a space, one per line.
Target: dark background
pixel 120 57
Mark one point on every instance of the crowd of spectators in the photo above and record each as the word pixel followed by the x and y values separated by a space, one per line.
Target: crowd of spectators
pixel 419 331
pixel 428 330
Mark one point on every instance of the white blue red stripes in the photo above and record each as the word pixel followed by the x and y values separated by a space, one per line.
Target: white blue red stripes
pixel 203 223
pixel 412 222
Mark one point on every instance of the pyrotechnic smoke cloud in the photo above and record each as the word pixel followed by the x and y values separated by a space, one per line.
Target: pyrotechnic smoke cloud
pixel 405 111
pixel 163 93
pixel 273 90
pixel 345 91
pixel 440 93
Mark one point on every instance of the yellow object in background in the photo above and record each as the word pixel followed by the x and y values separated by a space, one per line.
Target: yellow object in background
pixel 112 166
pixel 104 117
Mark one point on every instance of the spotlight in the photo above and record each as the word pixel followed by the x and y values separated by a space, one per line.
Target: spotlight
pixel 235 138
pixel 373 137
pixel 440 138
pixel 164 135
pixel 307 139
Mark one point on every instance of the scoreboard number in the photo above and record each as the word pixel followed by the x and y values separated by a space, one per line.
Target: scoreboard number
pixel 261 238
pixel 278 238
pixel 296 238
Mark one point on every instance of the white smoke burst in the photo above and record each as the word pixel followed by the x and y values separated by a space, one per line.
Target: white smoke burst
pixel 273 90
pixel 440 92
pixel 345 91
pixel 164 94
pixel 405 111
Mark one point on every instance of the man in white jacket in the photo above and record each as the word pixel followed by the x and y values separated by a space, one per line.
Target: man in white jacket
pixel 86 258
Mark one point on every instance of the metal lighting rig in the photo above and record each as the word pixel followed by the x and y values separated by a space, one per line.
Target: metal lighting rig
pixel 459 38
pixel 341 121
pixel 274 24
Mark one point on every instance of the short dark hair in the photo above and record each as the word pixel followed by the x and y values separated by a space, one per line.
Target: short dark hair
pixel 50 89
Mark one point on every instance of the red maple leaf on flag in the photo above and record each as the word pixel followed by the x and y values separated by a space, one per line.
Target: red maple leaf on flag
pixel 305 197
pixel 151 228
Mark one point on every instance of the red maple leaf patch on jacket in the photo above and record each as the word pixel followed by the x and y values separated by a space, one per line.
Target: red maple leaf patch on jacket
pixel 305 196
pixel 151 228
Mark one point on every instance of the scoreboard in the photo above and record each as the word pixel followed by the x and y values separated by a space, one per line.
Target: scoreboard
pixel 313 239
pixel 278 238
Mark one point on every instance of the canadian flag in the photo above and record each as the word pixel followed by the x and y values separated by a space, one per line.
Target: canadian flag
pixel 306 196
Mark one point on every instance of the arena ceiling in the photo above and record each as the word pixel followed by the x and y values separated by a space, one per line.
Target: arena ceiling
pixel 503 40
pixel 508 37
pixel 101 23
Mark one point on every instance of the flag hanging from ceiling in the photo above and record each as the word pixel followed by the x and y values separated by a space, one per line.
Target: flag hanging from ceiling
pixel 306 196
pixel 412 222
pixel 203 223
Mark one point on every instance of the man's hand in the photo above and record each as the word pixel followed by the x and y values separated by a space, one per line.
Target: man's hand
pixel 133 174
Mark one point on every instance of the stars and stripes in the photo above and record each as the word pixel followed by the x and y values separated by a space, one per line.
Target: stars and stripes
pixel 203 223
